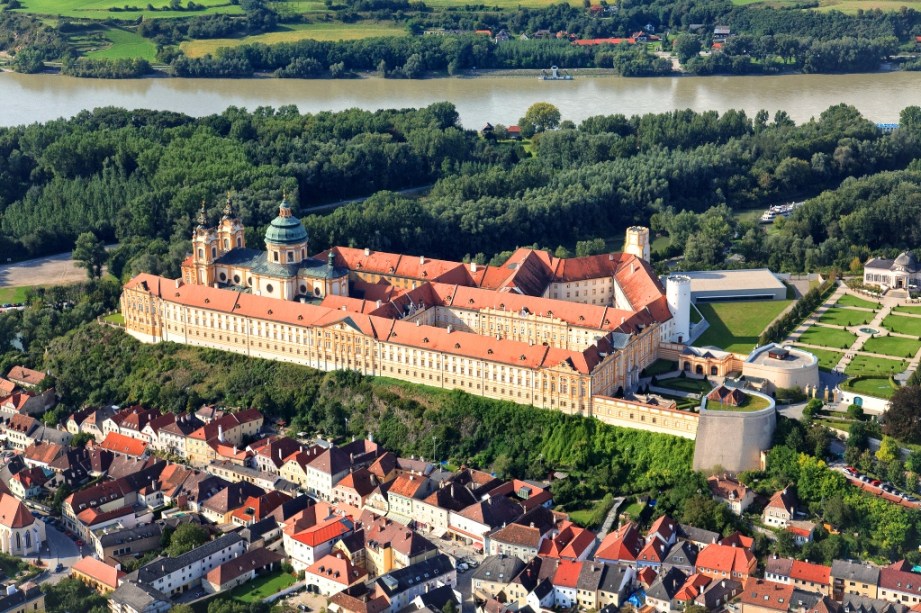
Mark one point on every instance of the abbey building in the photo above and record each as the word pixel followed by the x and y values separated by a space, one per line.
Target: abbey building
pixel 535 330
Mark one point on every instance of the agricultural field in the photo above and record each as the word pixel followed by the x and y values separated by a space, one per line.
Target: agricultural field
pixel 903 325
pixel 854 301
pixel 849 7
pixel 828 337
pixel 125 44
pixel 845 317
pixel 100 9
pixel 736 326
pixel 508 5
pixel 13 295
pixel 296 32
pixel 892 345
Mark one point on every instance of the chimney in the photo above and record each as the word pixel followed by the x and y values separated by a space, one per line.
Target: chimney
pixel 610 257
pixel 421 260
pixel 367 251
pixel 450 328
pixel 178 283
pixel 378 304
pixel 472 266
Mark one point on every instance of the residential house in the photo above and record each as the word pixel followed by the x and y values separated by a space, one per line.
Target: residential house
pixel 691 590
pixel 440 600
pixel 20 430
pixel 28 403
pixel 219 507
pixel 90 421
pixel 235 473
pixel 405 489
pixel 621 546
pixel 726 562
pixel 858 578
pixel 537 572
pixel 127 542
pixel 897 583
pixel 107 501
pixel 400 587
pixel 471 525
pixel 29 482
pixel 241 569
pixel 98 575
pixel 332 574
pixel 728 490
pixel 209 413
pixel 358 599
pixel 524 537
pixel 323 473
pixel 780 510
pixel 22 598
pixel 566 583
pixel 433 511
pixel 390 545
pixel 257 508
pixel 71 468
pixel 854 603
pixel 570 543
pixel 130 422
pixel 25 377
pixel 150 433
pixel 682 556
pixel 384 467
pixel 493 575
pixel 719 593
pixel 355 488
pixel 42 455
pixel 653 554
pixel 802 531
pixel 223 435
pixel 270 453
pixel 7 387
pixel 589 582
pixel 120 444
pixel 663 590
pixel 762 596
pixel 295 467
pixel 311 534
pixel 616 585
pixel 172 436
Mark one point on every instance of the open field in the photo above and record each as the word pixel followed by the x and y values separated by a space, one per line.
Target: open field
pixel 854 301
pixel 293 33
pixel 827 359
pixel 893 345
pixel 850 7
pixel 736 326
pixel 903 325
pixel 99 9
pixel 125 44
pixel 873 386
pixel 845 317
pixel 262 587
pixel 869 366
pixel 13 295
pixel 828 337
pixel 509 5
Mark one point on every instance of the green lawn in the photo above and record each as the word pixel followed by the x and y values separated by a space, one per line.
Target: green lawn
pixel 893 345
pixel 736 326
pixel 115 318
pixel 854 301
pixel 633 511
pixel 99 9
pixel 696 386
pixel 13 294
pixel 290 33
pixel 914 310
pixel 754 403
pixel 903 325
pixel 683 404
pixel 869 366
pixel 828 337
pixel 873 386
pixel 827 359
pixel 126 44
pixel 845 317
pixel 660 367
pixel 262 587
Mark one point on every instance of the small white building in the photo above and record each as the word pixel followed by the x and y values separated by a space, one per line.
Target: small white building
pixel 903 272
pixel 20 533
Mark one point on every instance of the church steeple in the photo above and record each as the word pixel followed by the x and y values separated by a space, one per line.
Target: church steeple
pixel 202 217
pixel 228 208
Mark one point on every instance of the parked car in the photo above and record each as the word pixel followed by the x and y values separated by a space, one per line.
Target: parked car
pixel 462 568
pixel 59 567
pixel 875 482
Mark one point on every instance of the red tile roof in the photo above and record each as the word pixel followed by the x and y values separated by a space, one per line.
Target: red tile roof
pixel 14 514
pixel 767 594
pixel 567 573
pixel 569 544
pixel 98 571
pixel 119 443
pixel 725 559
pixel 603 41
pixel 318 524
pixel 337 569
pixel 624 544
pixel 26 376
pixel 810 573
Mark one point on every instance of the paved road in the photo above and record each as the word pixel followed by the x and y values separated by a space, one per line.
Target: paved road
pixel 59 548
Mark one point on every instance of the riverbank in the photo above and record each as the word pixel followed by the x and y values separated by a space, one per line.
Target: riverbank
pixel 489 97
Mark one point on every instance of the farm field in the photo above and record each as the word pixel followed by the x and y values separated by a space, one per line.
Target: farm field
pixel 845 317
pixel 125 44
pixel 508 5
pixel 892 345
pixel 828 337
pixel 293 33
pixel 903 325
pixel 736 326
pixel 851 7
pixel 99 9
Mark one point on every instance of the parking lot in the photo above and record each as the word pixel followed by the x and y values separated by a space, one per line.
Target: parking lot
pixel 877 487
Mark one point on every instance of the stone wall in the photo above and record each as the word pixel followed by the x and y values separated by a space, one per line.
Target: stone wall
pixel 734 440
pixel 640 416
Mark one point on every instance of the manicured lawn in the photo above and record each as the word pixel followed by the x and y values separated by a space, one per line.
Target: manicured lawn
pixel 754 403
pixel 695 315
pixel 302 31
pixel 660 367
pixel 854 301
pixel 99 9
pixel 893 345
pixel 828 337
pixel 13 295
pixel 873 386
pixel 115 318
pixel 903 325
pixel 633 510
pixel 914 310
pixel 869 366
pixel 126 44
pixel 262 587
pixel 827 359
pixel 845 317
pixel 736 326
pixel 683 404
pixel 696 386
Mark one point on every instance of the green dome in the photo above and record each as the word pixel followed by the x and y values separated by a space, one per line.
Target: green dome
pixel 286 229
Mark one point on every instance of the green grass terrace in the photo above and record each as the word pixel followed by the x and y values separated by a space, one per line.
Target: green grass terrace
pixel 828 337
pixel 262 587
pixel 866 366
pixel 854 301
pixel 845 317
pixel 660 367
pixel 895 346
pixel 880 387
pixel 694 386
pixel 903 325
pixel 910 309
pixel 827 359
pixel 736 326
pixel 751 404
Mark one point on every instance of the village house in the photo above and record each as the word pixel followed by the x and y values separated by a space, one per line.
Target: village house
pixel 389 545
pixel 802 575
pixel 850 577
pixel 311 534
pixel 98 575
pixel 400 587
pixel 356 487
pixel 25 377
pixel 493 575
pixel 332 574
pixel 761 596
pixel 241 569
pixel 780 509
pixel 726 562
pixel 897 583
pixel 621 546
pixel 737 496
pixel 663 590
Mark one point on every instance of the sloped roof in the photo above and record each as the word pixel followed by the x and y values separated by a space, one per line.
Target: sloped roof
pixel 624 544
pixel 119 443
pixel 724 558
pixel 99 571
pixel 14 514
pixel 767 594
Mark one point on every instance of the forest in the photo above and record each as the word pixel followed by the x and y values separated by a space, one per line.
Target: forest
pixel 138 177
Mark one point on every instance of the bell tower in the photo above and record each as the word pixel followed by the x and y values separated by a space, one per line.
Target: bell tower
pixel 230 233
pixel 204 249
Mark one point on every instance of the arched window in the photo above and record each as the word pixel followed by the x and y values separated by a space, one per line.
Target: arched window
pixel 713 370
pixel 28 541
pixel 18 541
pixel 699 369
pixel 214 252
pixel 236 279
pixel 201 253
pixel 226 243
pixel 275 254
pixel 239 242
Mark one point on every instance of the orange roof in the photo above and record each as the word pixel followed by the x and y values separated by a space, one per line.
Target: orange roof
pixel 407 486
pixel 25 375
pixel 14 514
pixel 568 544
pixel 726 559
pixel 6 386
pixel 654 551
pixel 623 544
pixel 318 524
pixel 567 573
pixel 692 587
pixel 42 453
pixel 767 594
pixel 336 568
pixel 119 443
pixel 738 539
pixel 98 571
pixel 810 573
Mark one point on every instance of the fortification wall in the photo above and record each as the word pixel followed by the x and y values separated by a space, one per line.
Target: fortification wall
pixel 734 440
pixel 641 416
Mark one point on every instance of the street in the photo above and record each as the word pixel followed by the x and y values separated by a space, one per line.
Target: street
pixel 59 549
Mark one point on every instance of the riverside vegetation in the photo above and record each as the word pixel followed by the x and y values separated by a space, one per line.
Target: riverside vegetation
pixel 770 39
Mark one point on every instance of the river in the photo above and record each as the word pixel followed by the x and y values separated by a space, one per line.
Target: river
pixel 879 96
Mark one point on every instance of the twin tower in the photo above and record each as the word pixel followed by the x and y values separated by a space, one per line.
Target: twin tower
pixel 677 288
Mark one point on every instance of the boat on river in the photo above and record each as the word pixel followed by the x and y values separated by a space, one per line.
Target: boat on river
pixel 555 74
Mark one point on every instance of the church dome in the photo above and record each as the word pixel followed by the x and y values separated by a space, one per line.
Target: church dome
pixel 286 229
pixel 907 262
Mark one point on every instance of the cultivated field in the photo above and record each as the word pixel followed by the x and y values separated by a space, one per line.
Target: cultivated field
pixel 313 31
pixel 99 9
pixel 125 44
pixel 845 6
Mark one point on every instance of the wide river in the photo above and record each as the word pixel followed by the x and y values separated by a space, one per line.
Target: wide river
pixel 879 96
